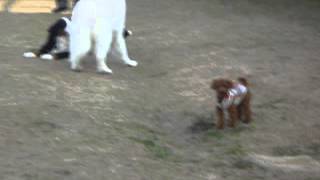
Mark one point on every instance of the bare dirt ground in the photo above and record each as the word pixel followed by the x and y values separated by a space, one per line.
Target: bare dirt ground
pixel 156 121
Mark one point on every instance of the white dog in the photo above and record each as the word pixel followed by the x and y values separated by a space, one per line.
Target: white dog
pixel 103 22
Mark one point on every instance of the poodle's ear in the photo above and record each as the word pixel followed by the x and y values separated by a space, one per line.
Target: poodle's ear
pixel 214 84
pixel 243 81
pixel 228 84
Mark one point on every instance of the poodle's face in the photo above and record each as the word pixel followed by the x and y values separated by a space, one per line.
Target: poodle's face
pixel 221 86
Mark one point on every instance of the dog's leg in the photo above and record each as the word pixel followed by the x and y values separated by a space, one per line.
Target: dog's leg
pixel 79 45
pixel 103 44
pixel 240 111
pixel 121 49
pixel 220 123
pixel 233 115
pixel 247 109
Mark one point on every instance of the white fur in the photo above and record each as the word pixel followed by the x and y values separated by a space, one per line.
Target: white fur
pixel 29 55
pixel 103 22
pixel 46 57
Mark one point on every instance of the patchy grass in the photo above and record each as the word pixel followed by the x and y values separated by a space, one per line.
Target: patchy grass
pixel 236 150
pixel 312 149
pixel 158 151
pixel 312 178
pixel 292 150
pixel 243 164
pixel 141 128
pixel 215 134
pixel 272 104
pixel 149 138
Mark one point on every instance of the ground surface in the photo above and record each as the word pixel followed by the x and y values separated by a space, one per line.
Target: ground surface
pixel 156 121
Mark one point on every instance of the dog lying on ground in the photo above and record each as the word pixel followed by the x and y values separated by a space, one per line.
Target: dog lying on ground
pixel 56 46
pixel 233 100
pixel 103 22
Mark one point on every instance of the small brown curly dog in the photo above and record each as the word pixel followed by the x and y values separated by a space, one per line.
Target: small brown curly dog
pixel 233 100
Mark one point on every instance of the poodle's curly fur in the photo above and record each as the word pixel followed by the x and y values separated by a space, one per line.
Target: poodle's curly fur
pixel 233 99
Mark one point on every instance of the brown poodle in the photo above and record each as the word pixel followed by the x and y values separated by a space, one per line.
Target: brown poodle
pixel 233 100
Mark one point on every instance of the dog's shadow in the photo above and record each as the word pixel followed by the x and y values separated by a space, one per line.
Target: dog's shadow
pixel 202 123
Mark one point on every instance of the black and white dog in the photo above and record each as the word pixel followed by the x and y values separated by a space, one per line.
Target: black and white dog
pixel 57 43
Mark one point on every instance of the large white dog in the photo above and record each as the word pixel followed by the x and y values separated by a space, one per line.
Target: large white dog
pixel 103 22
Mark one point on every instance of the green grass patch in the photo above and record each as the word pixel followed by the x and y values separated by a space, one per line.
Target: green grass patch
pixel 153 147
pixel 236 150
pixel 243 164
pixel 215 134
pixel 142 129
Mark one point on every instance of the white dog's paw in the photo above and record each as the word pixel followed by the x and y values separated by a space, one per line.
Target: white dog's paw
pixel 131 63
pixel 75 67
pixel 46 57
pixel 29 55
pixel 104 70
